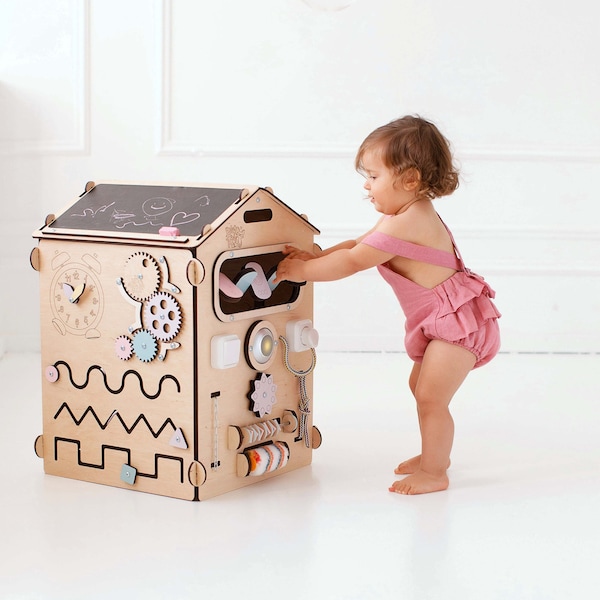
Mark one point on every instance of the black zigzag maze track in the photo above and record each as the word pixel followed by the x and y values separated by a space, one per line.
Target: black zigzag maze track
pixel 114 415
pixel 81 386
pixel 127 451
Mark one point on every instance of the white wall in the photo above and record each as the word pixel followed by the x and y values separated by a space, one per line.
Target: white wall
pixel 276 93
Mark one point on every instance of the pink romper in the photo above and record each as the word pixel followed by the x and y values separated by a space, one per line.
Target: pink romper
pixel 459 310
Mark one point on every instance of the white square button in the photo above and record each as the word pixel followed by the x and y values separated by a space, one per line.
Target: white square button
pixel 225 351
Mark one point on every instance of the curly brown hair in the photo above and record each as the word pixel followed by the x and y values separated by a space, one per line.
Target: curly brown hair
pixel 412 143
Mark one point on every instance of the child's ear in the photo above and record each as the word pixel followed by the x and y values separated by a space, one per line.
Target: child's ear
pixel 411 180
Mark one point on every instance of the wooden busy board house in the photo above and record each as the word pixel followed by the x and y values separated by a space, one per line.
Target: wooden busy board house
pixel 171 361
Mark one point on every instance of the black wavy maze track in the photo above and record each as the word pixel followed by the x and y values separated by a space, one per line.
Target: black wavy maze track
pixel 113 415
pixel 127 451
pixel 120 389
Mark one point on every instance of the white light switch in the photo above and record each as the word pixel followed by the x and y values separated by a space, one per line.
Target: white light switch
pixel 225 351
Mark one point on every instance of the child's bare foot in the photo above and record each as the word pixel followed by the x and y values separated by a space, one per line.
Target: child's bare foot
pixel 410 466
pixel 420 483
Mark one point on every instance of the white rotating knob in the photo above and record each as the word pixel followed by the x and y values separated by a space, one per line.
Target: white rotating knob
pixel 301 335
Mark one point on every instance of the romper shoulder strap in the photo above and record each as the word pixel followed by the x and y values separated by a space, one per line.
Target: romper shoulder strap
pixel 426 254
pixel 456 250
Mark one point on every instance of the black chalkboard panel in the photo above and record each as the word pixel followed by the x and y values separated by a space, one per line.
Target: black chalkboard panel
pixel 146 208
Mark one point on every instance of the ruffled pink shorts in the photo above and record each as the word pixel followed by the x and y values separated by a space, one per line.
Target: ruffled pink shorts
pixel 484 343
pixel 466 317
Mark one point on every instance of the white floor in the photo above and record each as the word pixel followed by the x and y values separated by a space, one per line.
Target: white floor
pixel 521 519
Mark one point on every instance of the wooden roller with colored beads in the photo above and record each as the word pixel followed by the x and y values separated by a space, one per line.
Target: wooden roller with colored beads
pixel 263 459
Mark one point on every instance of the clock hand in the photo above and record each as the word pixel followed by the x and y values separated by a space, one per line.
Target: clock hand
pixel 77 292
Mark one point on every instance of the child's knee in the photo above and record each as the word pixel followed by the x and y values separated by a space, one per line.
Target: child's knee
pixel 427 399
pixel 413 386
pixel 413 379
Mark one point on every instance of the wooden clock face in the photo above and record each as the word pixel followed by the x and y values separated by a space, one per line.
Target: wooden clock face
pixel 77 301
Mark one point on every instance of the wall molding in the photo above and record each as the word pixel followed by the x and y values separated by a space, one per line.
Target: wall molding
pixel 166 146
pixel 564 153
pixel 80 143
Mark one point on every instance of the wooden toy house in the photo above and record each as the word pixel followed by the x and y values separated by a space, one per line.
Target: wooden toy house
pixel 171 361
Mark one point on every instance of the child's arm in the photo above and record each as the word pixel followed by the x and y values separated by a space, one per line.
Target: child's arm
pixel 347 245
pixel 341 261
pixel 293 252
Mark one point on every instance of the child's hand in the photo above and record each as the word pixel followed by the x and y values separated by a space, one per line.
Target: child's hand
pixel 290 269
pixel 292 252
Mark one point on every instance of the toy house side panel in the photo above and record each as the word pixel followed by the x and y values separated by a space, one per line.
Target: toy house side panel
pixel 251 420
pixel 117 365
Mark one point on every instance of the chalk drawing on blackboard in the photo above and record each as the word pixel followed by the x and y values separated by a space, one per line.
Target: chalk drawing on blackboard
pixel 91 212
pixel 157 206
pixel 145 209
pixel 162 207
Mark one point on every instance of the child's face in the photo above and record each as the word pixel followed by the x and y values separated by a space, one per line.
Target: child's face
pixel 388 193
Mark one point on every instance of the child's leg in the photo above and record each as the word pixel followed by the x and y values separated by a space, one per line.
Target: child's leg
pixel 408 467
pixel 444 368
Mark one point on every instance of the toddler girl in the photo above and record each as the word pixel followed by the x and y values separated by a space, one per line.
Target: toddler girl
pixel 451 322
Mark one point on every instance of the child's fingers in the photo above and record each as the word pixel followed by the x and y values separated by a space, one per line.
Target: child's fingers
pixel 293 252
pixel 281 271
pixel 298 254
pixel 288 270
